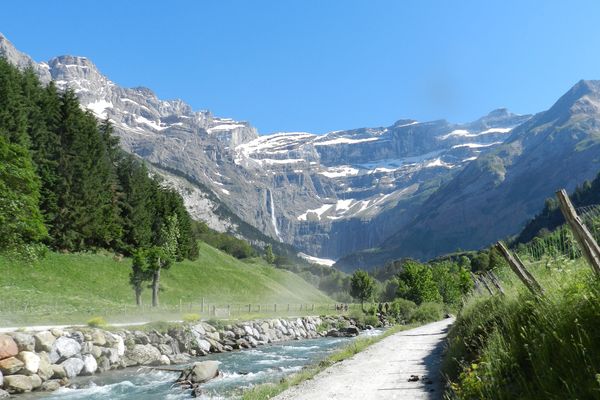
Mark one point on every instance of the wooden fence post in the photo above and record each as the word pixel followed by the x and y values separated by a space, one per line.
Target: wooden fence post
pixel 476 283
pixel 485 284
pixel 519 269
pixel 495 282
pixel 586 241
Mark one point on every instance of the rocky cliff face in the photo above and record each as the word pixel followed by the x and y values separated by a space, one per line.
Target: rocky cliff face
pixel 494 196
pixel 328 195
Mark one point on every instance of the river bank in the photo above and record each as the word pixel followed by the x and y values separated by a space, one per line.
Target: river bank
pixel 48 360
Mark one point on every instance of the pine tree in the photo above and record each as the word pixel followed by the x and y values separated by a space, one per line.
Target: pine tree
pixel 21 222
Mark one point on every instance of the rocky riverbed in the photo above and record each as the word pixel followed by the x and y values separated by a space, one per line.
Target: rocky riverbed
pixel 47 360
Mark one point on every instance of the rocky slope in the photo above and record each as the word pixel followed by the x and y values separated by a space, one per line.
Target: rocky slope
pixel 495 196
pixel 410 189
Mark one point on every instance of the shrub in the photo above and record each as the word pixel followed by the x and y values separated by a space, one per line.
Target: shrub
pixel 428 312
pixel 96 322
pixel 191 318
pixel 402 310
pixel 371 320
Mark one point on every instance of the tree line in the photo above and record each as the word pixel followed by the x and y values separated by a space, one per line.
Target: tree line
pixel 66 185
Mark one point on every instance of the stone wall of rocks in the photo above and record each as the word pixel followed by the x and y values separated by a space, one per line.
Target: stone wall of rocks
pixel 46 360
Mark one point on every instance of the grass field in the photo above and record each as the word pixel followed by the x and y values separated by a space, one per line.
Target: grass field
pixel 520 346
pixel 70 288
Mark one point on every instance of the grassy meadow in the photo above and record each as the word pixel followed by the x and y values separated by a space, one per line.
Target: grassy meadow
pixel 71 288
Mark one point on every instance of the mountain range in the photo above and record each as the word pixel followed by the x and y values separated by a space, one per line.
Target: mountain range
pixel 360 197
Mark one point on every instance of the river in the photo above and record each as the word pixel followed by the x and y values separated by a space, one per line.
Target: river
pixel 241 369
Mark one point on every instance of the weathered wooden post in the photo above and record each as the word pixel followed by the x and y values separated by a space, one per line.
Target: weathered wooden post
pixel 259 308
pixel 275 307
pixel 249 307
pixel 519 269
pixel 476 283
pixel 202 306
pixel 586 241
pixel 485 284
pixel 496 282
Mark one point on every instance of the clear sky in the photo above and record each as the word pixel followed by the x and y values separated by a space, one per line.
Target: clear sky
pixel 325 65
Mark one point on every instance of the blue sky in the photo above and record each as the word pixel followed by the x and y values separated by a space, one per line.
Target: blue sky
pixel 325 65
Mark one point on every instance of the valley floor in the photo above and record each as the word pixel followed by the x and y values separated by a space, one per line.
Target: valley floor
pixel 383 370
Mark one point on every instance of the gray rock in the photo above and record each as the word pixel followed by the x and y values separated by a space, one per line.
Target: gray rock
pixel 64 348
pixel 89 365
pixel 45 370
pixel 142 355
pixel 72 367
pixel 36 381
pixel 44 341
pixel 17 384
pixel 98 338
pixel 96 351
pixel 4 394
pixel 51 385
pixel 199 328
pixel 204 371
pixel 103 364
pixel 164 360
pixel 179 358
pixel 79 337
pixel 1 379
pixel 203 345
pixel 31 362
pixel 25 341
pixel 86 347
pixel 58 371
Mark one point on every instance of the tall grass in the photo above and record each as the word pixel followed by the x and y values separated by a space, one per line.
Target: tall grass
pixel 525 347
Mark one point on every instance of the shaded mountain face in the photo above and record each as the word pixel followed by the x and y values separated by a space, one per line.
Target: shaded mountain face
pixel 328 195
pixel 410 189
pixel 494 196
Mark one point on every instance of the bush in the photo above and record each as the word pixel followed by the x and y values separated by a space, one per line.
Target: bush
pixel 428 312
pixel 96 322
pixel 191 318
pixel 371 320
pixel 402 310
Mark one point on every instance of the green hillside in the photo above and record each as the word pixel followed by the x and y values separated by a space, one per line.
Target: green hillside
pixel 65 288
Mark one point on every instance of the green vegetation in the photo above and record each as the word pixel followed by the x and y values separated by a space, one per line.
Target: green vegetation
pixel 525 346
pixel 362 287
pixel 96 322
pixel 66 288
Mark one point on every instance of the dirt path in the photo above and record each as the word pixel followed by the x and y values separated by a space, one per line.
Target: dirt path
pixel 383 370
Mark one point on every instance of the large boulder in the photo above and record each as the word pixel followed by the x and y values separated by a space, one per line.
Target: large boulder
pixel 89 365
pixel 51 385
pixel 64 348
pixel 11 365
pixel 203 345
pixel 45 370
pixel 98 338
pixel 8 347
pixel 25 341
pixel 142 354
pixel 36 381
pixel 31 361
pixel 17 384
pixel 204 371
pixel 44 341
pixel 72 367
pixel 58 371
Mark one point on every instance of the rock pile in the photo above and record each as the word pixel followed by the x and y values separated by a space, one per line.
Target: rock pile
pixel 46 360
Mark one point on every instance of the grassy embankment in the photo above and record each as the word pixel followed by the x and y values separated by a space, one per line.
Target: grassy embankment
pixel 527 347
pixel 71 288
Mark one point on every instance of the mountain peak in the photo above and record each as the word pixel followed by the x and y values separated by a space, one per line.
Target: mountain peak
pixel 583 97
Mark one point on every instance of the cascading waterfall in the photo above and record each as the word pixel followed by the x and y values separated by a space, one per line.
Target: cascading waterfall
pixel 272 211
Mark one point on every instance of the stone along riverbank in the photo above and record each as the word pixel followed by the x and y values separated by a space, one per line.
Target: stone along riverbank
pixel 47 360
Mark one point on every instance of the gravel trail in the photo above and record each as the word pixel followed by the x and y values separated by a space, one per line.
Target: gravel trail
pixel 383 370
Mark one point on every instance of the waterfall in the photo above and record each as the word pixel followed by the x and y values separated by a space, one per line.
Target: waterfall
pixel 272 211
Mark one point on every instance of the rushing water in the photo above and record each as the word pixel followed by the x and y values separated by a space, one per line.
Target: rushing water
pixel 241 369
